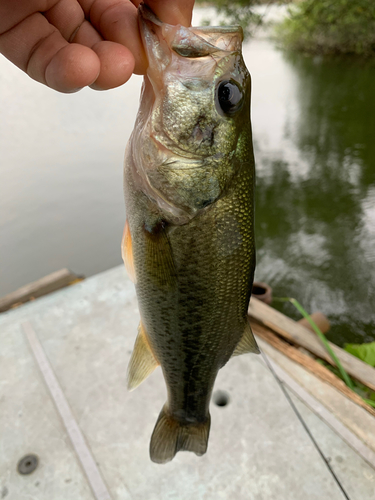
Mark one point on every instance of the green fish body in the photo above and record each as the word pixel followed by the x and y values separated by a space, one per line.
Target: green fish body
pixel 188 241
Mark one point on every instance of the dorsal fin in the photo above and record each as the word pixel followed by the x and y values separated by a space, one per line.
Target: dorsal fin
pixel 247 343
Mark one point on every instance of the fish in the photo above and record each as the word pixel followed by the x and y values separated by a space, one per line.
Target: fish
pixel 188 242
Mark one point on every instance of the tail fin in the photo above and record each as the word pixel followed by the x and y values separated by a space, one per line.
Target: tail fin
pixel 171 436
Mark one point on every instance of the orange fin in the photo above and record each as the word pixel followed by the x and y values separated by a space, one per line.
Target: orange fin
pixel 142 362
pixel 171 435
pixel 247 343
pixel 127 252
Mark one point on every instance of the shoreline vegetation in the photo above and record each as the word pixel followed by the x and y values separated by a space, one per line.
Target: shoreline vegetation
pixel 316 27
pixel 335 28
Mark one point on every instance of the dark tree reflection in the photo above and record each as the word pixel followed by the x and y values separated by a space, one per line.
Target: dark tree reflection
pixel 315 228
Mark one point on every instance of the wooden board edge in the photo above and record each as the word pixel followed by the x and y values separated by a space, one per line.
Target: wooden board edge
pixel 47 284
pixel 318 407
pixel 299 335
pixel 310 364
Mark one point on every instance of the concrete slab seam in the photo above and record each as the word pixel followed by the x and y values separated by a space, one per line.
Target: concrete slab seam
pixel 351 439
pixel 82 450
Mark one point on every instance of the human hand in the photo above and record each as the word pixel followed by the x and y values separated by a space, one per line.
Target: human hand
pixel 69 44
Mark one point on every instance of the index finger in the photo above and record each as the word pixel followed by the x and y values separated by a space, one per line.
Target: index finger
pixel 39 49
pixel 177 12
pixel 117 21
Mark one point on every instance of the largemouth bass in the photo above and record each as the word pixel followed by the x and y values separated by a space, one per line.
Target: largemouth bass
pixel 188 241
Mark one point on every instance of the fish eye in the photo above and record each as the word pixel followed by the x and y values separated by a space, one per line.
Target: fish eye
pixel 230 97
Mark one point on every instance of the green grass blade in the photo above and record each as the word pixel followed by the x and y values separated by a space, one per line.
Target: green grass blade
pixel 314 326
pixel 328 348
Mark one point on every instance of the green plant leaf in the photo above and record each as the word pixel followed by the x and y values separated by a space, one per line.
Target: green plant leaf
pixel 365 352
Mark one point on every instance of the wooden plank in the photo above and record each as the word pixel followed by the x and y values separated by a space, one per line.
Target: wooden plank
pixel 319 319
pixel 355 418
pixel 48 284
pixel 310 364
pixel 357 432
pixel 297 334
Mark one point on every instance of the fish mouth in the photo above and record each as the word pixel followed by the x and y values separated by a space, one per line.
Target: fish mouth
pixel 197 41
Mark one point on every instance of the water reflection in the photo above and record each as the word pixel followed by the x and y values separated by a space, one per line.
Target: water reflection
pixel 315 207
pixel 61 201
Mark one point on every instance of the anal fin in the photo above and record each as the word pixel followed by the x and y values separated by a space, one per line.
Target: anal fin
pixel 247 343
pixel 171 435
pixel 142 362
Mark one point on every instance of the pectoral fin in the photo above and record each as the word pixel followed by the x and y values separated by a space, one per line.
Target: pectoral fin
pixel 247 343
pixel 159 259
pixel 127 252
pixel 142 362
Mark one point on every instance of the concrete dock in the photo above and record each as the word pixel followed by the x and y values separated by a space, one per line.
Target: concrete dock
pixel 258 449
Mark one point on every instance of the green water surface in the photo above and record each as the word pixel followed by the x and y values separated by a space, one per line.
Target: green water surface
pixel 61 195
pixel 315 201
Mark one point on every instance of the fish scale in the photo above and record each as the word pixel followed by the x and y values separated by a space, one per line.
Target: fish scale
pixel 189 242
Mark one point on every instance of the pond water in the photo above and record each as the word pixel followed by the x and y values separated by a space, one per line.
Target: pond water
pixel 315 204
pixel 61 202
